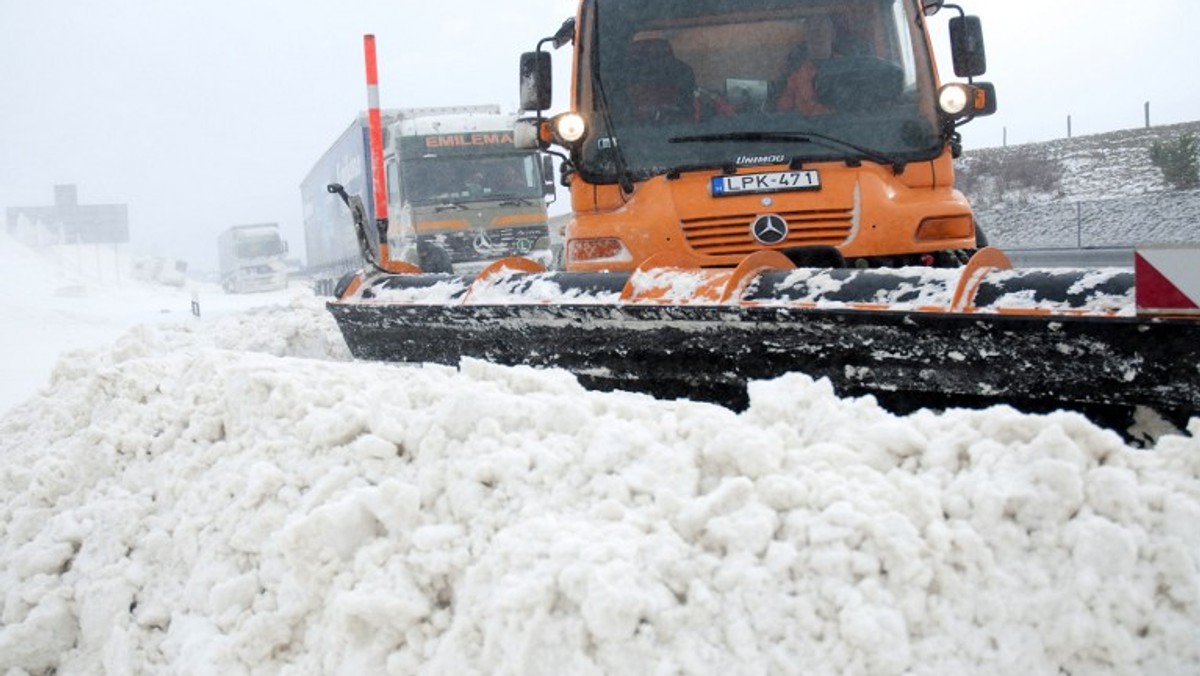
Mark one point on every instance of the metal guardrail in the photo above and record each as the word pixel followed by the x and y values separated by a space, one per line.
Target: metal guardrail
pixel 1125 223
pixel 1071 258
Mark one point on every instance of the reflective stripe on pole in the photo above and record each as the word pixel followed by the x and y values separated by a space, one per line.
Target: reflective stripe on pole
pixel 375 127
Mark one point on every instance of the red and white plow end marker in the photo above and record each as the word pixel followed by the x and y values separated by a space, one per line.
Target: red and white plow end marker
pixel 1167 280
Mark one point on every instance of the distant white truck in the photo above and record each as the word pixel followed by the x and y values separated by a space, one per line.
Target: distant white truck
pixel 253 258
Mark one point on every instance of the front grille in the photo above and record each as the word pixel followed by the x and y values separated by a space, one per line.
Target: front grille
pixel 462 246
pixel 731 236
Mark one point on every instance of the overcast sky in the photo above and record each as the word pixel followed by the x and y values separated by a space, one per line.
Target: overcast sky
pixel 200 114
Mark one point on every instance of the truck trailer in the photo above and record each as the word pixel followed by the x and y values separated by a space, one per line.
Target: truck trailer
pixel 460 194
pixel 252 258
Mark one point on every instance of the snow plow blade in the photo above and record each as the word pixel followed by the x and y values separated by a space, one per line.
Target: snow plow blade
pixel 1038 340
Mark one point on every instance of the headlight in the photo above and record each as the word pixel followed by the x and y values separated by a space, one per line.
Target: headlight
pixel 958 100
pixel 953 99
pixel 569 128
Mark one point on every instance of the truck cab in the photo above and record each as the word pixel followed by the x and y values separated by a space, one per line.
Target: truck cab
pixel 252 258
pixel 460 193
pixel 714 129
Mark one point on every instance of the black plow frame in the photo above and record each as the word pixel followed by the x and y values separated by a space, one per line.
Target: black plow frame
pixel 1103 367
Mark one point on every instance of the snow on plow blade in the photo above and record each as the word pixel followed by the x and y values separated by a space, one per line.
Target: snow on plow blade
pixel 1038 340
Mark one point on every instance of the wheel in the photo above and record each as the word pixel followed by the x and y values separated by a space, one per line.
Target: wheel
pixel 434 258
pixel 981 239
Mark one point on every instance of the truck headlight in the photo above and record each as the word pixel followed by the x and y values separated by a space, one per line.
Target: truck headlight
pixel 569 128
pixel 958 100
pixel 953 99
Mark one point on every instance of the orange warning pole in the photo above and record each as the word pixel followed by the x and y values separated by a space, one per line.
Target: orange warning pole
pixel 375 129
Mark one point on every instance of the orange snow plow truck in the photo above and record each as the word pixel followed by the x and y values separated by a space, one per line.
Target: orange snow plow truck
pixel 765 186
pixel 712 130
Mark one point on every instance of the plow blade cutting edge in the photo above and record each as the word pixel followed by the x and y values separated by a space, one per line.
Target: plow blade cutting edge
pixel 1035 339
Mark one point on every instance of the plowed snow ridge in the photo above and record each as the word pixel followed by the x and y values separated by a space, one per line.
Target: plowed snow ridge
pixel 235 497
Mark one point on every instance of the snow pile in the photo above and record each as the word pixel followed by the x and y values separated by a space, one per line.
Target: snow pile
pixel 442 292
pixel 674 285
pixel 55 306
pixel 512 287
pixel 507 287
pixel 201 500
pixel 300 327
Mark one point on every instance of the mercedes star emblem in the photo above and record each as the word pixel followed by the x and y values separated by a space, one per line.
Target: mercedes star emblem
pixel 769 229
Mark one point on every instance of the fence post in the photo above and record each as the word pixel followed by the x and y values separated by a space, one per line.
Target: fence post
pixel 1079 225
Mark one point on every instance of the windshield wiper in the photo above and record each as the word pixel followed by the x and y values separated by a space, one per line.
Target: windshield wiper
pixel 795 137
pixel 446 206
pixel 727 168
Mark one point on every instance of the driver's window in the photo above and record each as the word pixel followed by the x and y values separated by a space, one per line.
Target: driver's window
pixel 393 182
pixel 904 50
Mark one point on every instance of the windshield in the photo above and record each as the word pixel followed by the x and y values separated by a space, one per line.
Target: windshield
pixel 742 82
pixel 439 180
pixel 267 245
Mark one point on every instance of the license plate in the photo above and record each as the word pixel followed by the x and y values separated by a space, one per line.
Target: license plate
pixel 779 181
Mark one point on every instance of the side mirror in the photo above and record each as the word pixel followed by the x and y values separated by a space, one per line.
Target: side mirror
pixel 535 81
pixel 548 188
pixel 966 44
pixel 931 7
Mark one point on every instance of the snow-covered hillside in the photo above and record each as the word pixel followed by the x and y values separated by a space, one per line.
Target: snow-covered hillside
pixel 1095 167
pixel 1090 191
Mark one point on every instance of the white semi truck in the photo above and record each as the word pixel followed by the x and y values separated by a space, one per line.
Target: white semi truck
pixel 252 258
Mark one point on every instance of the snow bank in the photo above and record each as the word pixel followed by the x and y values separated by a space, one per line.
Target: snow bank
pixel 232 498
pixel 54 306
